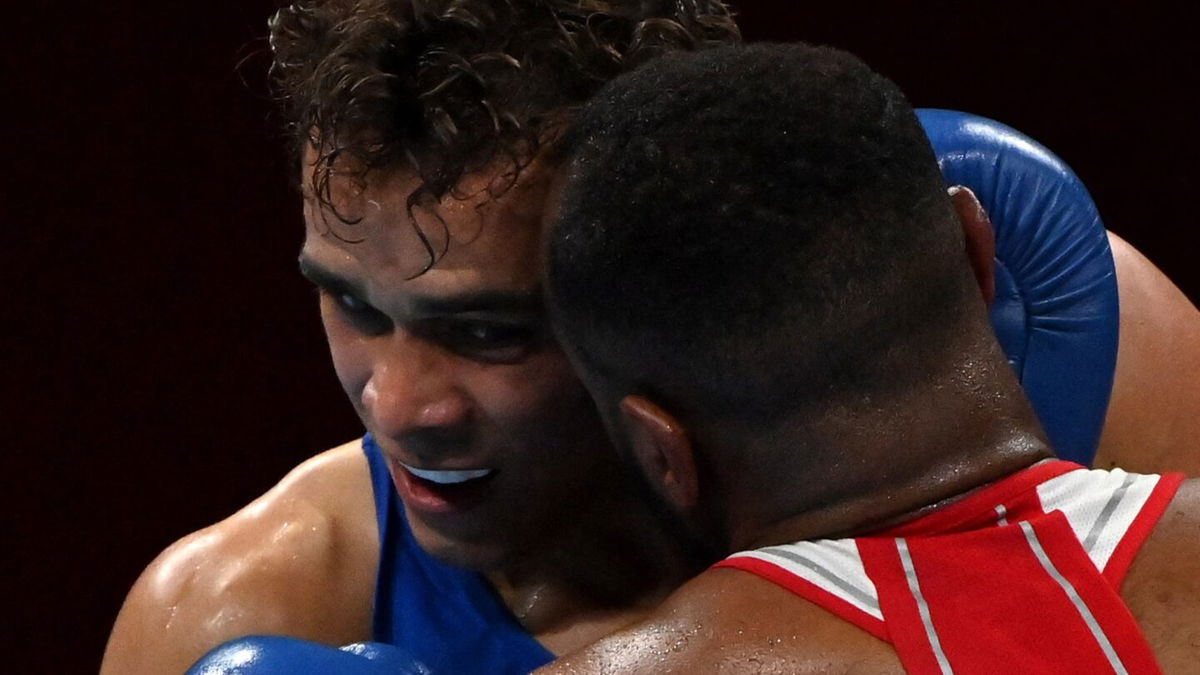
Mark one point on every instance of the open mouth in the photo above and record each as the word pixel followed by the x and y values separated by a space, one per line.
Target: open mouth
pixel 448 477
pixel 442 491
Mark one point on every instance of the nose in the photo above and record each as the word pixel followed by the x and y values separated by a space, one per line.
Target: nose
pixel 413 387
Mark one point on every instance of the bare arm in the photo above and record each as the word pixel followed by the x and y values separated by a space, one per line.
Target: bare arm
pixel 298 561
pixel 1153 422
pixel 1162 588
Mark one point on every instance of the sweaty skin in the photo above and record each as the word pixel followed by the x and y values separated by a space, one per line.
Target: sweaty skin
pixel 300 560
pixel 1152 423
pixel 315 579
pixel 715 623
pixel 450 370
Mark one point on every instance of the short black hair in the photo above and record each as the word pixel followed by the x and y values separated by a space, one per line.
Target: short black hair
pixel 751 230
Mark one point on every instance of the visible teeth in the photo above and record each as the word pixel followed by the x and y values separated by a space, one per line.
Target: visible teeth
pixel 448 477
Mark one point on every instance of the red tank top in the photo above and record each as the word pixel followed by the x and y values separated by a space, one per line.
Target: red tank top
pixel 1019 577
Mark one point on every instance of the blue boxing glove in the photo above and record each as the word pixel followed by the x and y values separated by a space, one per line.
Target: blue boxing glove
pixel 1055 309
pixel 275 655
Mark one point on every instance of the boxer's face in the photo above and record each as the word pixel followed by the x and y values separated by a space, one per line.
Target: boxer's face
pixel 490 437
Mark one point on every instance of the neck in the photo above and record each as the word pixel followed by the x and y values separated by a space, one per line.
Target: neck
pixel 906 498
pixel 873 464
pixel 616 561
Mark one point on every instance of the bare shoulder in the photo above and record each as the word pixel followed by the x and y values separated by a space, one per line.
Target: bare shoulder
pixel 300 560
pixel 1162 588
pixel 727 621
pixel 1152 425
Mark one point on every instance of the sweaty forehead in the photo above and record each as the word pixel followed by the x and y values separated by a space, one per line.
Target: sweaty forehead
pixel 479 237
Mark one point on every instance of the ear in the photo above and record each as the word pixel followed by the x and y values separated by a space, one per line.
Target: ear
pixel 980 238
pixel 662 450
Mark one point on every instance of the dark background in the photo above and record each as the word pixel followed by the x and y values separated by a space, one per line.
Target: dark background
pixel 163 362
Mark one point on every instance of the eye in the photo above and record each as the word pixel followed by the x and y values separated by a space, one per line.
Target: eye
pixel 485 340
pixel 356 311
pixel 496 333
pixel 349 303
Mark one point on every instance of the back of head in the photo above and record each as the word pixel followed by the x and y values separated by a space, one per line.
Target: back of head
pixel 442 88
pixel 748 233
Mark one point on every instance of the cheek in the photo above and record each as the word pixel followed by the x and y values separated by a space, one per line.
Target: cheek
pixel 546 404
pixel 538 381
pixel 350 359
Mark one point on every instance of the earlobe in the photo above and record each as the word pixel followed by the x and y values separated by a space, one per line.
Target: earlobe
pixel 662 450
pixel 980 239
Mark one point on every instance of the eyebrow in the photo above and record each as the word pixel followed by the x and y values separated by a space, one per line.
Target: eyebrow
pixel 484 300
pixel 481 301
pixel 325 278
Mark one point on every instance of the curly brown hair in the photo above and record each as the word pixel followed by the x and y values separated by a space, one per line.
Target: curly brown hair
pixel 446 87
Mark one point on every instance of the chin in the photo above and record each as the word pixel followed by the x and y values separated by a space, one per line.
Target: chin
pixel 480 556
